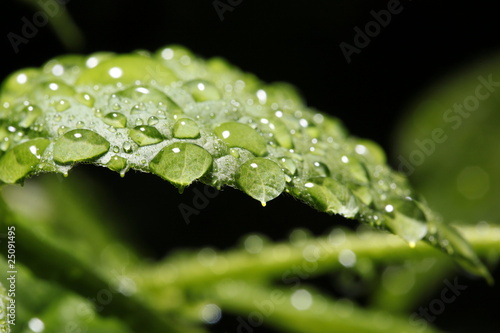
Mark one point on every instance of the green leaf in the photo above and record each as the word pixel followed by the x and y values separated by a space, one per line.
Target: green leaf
pixel 187 119
pixel 449 140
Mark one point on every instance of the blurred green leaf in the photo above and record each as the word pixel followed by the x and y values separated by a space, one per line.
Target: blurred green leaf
pixel 448 144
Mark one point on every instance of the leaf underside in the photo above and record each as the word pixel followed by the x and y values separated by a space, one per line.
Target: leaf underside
pixel 187 119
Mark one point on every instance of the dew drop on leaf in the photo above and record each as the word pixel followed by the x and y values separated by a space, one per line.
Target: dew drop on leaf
pixel 79 145
pixel 145 135
pixel 31 113
pixel 85 99
pixel 240 135
pixel 117 163
pixel 115 119
pixel 181 163
pixel 260 178
pixel 202 90
pixel 186 128
pixel 19 161
pixel 62 105
pixel 406 220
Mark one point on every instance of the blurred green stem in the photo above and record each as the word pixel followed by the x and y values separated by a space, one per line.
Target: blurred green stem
pixel 61 22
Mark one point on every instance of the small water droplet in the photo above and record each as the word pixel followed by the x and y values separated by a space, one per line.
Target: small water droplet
pixel 115 119
pixel 128 147
pixel 117 163
pixel 153 121
pixel 138 108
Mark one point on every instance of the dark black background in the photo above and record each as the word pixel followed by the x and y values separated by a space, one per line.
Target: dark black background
pixel 293 41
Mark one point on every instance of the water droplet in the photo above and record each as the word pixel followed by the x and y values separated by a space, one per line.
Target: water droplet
pixel 61 130
pixel 54 88
pixel 62 105
pixel 79 124
pixel 330 196
pixel 128 147
pixel 153 121
pixel 126 69
pixel 31 113
pixel 370 150
pixel 117 163
pixel 79 145
pixel 115 119
pixel 288 165
pixel 202 90
pixel 181 163
pixel 20 82
pixel 20 161
pixel 186 128
pixel 260 178
pixel 138 108
pixel 145 135
pixel 320 169
pixel 406 219
pixel 86 99
pixel 234 152
pixel 240 135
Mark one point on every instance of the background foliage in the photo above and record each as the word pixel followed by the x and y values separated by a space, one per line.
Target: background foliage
pixel 295 42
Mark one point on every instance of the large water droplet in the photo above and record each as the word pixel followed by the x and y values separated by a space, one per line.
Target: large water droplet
pixel 288 165
pixel 240 135
pixel 79 145
pixel 330 196
pixel 115 119
pixel 18 162
pixel 145 135
pixel 186 128
pixel 260 178
pixel 202 90
pixel 54 88
pixel 406 219
pixel 20 82
pixel 127 69
pixel 181 163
